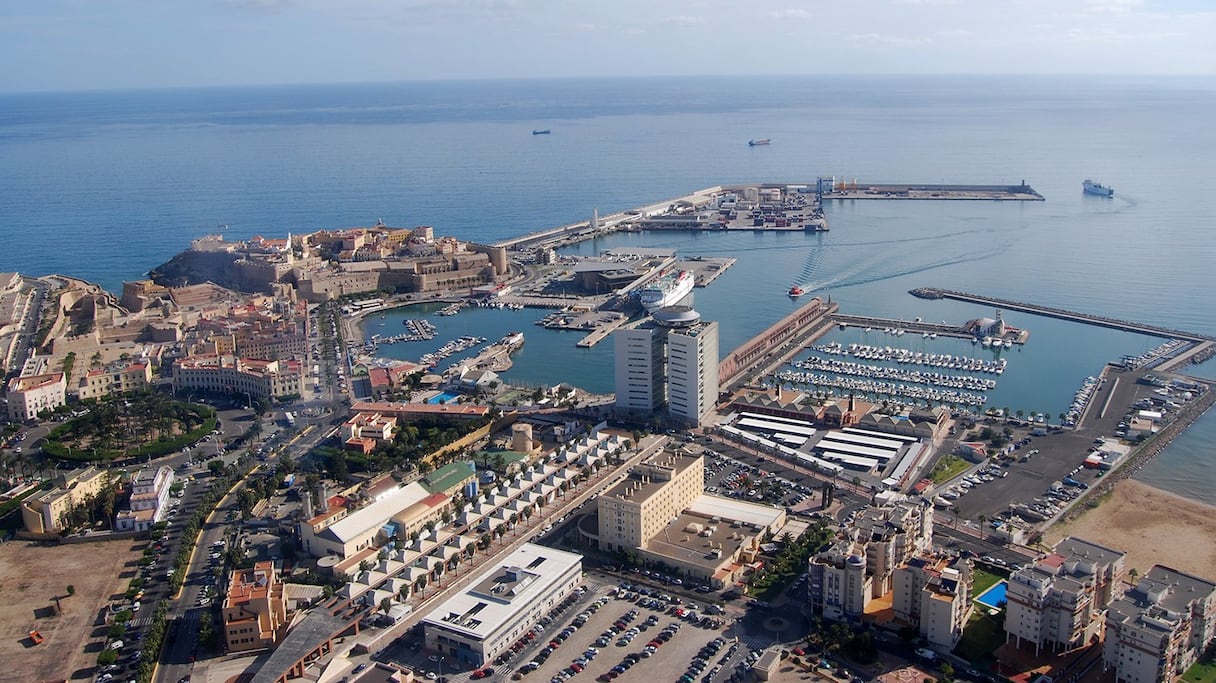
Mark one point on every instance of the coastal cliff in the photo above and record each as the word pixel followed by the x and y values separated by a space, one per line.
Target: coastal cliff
pixel 192 267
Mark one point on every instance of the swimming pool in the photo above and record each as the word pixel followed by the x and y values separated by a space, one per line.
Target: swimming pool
pixel 994 596
pixel 445 397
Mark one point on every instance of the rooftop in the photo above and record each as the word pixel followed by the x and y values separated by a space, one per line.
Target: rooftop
pixel 499 594
pixel 376 514
pixel 448 477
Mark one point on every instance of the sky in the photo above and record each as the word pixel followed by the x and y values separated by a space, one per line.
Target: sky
pixel 50 45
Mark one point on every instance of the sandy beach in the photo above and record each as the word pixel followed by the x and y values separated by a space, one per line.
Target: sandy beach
pixel 1152 526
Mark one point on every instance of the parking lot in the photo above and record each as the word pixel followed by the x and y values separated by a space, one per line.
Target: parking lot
pixel 643 637
pixel 629 637
pixel 726 476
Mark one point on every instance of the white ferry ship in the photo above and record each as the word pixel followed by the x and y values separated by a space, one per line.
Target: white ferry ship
pixel 668 290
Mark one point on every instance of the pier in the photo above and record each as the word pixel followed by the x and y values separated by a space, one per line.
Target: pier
pixel 940 329
pixel 1060 313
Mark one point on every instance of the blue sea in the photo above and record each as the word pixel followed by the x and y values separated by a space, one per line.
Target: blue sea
pixel 106 185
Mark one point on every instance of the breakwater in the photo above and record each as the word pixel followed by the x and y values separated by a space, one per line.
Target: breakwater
pixel 1061 313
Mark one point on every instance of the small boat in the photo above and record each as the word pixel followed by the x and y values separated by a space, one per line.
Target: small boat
pixel 796 291
pixel 1009 343
pixel 541 131
pixel 1095 187
pixel 986 342
pixel 757 142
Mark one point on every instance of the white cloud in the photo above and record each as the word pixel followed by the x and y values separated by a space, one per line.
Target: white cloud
pixel 790 13
pixel 684 20
pixel 888 40
pixel 1112 6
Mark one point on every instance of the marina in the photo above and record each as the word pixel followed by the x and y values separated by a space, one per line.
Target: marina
pixel 910 357
pixel 451 348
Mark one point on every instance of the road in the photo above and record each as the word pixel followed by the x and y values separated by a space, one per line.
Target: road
pixel 182 644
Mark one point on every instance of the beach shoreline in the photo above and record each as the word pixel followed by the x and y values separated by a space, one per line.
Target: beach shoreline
pixel 1151 525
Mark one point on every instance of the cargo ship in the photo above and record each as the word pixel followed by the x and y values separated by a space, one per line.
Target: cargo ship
pixel 758 142
pixel 1095 187
pixel 668 290
pixel 541 131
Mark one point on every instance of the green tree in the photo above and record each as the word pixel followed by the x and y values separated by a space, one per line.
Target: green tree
pixel 106 657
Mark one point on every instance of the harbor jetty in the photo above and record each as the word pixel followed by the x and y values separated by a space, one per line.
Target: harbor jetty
pixel 855 190
pixel 782 207
pixel 1062 314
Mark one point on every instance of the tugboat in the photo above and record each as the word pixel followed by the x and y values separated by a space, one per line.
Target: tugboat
pixel 796 291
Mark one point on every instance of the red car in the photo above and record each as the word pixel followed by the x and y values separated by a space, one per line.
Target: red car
pixel 483 673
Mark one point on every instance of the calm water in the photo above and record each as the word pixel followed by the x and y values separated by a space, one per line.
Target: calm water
pixel 105 186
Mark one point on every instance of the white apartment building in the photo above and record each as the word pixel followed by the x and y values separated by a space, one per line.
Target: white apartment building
pixel 1159 628
pixel 934 594
pixel 149 500
pixel 861 566
pixel 32 394
pixel 1060 601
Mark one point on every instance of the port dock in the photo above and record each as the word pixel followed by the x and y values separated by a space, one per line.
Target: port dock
pixel 774 346
pixel 910 191
pixel 1060 313
pixel 918 326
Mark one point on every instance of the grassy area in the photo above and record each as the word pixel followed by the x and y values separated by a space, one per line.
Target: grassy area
pixel 949 467
pixel 982 580
pixel 1203 671
pixel 982 635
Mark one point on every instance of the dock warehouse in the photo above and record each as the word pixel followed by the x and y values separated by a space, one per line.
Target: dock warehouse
pixel 502 604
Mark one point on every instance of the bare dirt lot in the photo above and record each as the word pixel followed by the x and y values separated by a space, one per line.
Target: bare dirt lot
pixel 31 576
pixel 1152 526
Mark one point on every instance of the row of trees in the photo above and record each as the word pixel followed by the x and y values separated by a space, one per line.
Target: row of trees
pixel 790 561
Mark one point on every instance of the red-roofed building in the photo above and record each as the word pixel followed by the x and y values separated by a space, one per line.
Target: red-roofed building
pixel 364 431
pixel 261 379
pixel 255 609
pixel 399 372
pixel 379 379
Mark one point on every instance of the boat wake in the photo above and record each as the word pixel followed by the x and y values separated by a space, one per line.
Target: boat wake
pixel 864 273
